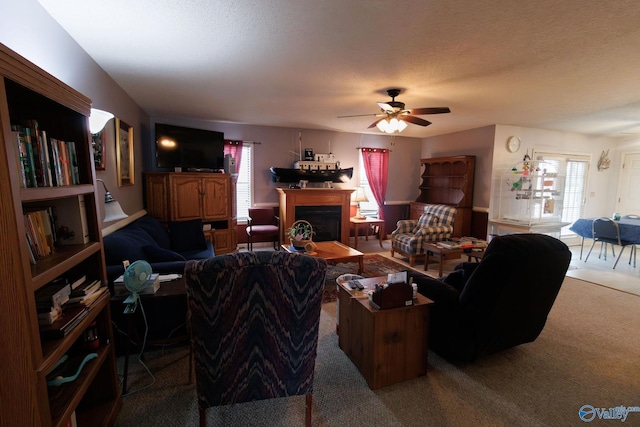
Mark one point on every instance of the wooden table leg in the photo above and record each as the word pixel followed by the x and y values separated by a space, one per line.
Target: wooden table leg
pixel 360 264
pixel 355 226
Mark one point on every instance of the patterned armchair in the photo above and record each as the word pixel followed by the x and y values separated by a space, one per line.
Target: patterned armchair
pixel 435 224
pixel 254 319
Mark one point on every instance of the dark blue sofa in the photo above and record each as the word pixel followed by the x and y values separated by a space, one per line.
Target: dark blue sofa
pixel 166 248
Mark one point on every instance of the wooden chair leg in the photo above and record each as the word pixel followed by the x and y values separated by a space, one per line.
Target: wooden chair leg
pixel 308 410
pixel 203 417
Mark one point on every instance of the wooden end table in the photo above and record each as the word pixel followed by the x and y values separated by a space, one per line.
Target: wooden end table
pixel 387 346
pixel 441 254
pixel 357 222
pixel 334 252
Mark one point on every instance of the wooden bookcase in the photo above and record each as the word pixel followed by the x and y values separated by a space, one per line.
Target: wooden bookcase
pixel 448 181
pixel 27 92
pixel 182 196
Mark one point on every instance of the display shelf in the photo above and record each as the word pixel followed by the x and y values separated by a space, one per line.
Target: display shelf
pixel 447 181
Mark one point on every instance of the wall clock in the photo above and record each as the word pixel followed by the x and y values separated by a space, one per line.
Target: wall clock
pixel 513 144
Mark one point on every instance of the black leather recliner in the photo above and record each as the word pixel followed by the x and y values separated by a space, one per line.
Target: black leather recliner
pixel 501 302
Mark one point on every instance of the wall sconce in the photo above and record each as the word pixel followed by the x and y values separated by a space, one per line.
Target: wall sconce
pixel 360 196
pixel 112 209
pixel 98 119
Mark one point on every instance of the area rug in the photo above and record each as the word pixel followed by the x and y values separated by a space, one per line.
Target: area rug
pixel 374 265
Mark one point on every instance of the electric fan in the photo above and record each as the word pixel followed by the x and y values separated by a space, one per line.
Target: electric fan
pixel 136 277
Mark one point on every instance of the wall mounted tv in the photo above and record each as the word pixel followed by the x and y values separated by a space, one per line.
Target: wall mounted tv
pixel 188 148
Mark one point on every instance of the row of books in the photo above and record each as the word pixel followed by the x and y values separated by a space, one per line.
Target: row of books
pixel 46 230
pixel 63 303
pixel 44 161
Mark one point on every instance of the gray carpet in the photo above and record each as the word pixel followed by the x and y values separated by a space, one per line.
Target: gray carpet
pixel 588 354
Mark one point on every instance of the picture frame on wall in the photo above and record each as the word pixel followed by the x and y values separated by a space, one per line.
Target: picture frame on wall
pixel 99 144
pixel 124 153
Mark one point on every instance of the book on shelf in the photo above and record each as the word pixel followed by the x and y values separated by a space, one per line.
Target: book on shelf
pixel 52 295
pixel 86 300
pixel 71 220
pixel 84 289
pixel 47 318
pixel 76 280
pixel 68 320
pixel 22 165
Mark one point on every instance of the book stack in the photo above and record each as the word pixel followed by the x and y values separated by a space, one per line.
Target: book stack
pixel 50 299
pixel 86 293
pixel 151 287
pixel 65 323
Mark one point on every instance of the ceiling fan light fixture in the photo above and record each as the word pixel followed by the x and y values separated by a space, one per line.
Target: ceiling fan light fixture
pixel 391 125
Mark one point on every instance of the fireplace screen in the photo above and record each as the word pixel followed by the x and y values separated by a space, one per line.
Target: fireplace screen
pixel 325 220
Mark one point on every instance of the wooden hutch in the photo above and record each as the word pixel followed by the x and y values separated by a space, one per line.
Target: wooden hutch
pixel 448 181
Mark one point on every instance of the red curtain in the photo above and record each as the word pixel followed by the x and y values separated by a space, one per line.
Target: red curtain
pixel 235 149
pixel 376 166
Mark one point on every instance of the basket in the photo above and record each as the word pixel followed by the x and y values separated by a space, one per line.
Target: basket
pixel 304 232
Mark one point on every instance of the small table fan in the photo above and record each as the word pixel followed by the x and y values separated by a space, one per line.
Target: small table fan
pixel 136 277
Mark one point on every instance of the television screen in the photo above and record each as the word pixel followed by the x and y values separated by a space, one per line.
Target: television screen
pixel 188 148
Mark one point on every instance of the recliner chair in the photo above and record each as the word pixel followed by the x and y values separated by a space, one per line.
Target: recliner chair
pixel 501 302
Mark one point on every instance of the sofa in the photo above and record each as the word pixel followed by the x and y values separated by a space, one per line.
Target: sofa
pixel 435 224
pixel 501 302
pixel 166 249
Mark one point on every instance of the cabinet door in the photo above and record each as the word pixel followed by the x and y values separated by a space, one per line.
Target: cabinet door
pixel 186 197
pixel 215 203
pixel 157 202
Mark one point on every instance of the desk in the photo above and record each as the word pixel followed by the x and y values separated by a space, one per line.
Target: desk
pixel 168 305
pixel 629 230
pixel 357 222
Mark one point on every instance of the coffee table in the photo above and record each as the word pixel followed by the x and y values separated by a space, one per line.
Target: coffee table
pixel 441 254
pixel 334 252
pixel 387 346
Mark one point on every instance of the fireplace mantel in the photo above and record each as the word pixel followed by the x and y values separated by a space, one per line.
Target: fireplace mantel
pixel 292 197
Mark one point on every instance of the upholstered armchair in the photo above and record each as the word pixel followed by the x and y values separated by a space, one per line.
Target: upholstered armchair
pixel 254 319
pixel 501 302
pixel 263 224
pixel 435 224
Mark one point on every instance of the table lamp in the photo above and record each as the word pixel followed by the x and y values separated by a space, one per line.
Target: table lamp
pixel 360 196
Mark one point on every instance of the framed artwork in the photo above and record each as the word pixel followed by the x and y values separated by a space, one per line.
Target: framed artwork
pixel 124 153
pixel 99 144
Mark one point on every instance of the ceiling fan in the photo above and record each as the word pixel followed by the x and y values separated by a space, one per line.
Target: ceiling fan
pixel 393 116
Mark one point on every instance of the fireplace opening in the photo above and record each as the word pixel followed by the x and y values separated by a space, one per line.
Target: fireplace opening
pixel 325 220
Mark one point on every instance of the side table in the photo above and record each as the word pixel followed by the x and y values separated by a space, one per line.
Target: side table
pixel 368 222
pixel 387 346
pixel 442 254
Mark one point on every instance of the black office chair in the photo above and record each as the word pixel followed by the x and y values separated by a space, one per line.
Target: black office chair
pixel 606 231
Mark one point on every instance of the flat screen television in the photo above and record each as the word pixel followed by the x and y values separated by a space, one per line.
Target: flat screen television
pixel 189 148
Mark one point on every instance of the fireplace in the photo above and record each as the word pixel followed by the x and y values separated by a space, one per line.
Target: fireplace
pixel 325 220
pixel 332 221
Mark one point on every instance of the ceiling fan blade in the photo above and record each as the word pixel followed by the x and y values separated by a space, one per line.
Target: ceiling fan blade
pixel 385 106
pixel 372 125
pixel 432 110
pixel 363 115
pixel 415 120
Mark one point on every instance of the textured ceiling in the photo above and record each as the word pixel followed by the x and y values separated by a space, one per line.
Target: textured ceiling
pixel 552 64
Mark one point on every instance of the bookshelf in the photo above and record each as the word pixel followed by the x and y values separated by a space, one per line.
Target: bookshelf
pixel 28 93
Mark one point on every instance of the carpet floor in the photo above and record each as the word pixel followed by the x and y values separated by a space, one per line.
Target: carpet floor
pixel 586 355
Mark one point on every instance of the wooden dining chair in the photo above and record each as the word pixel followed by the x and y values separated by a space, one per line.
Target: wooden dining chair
pixel 606 231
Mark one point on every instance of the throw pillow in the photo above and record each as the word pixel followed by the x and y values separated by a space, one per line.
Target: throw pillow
pixel 426 220
pixel 187 235
pixel 157 254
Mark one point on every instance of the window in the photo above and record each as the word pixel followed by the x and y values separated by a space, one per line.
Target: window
pixel 369 208
pixel 244 193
